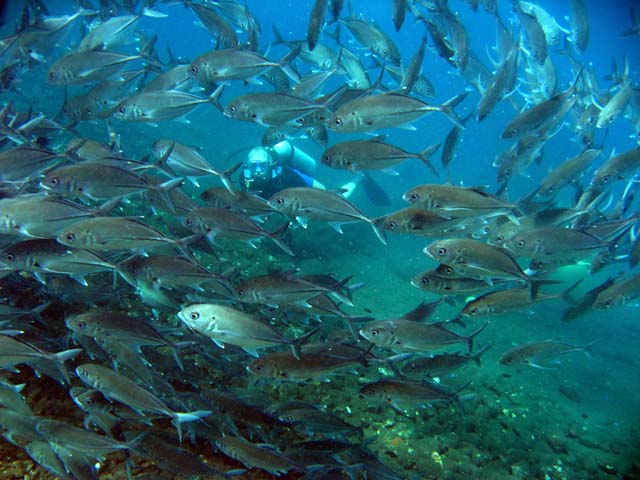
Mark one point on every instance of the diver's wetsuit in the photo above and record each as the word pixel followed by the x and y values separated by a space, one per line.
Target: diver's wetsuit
pixel 287 177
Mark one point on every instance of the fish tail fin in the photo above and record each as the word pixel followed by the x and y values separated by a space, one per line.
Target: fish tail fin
pixel 378 228
pixel 301 340
pixel 455 397
pixel 588 351
pixel 225 177
pixel 214 98
pixel 276 236
pixel 479 353
pixel 163 190
pixel 448 106
pixel 425 154
pixel 183 245
pixel 566 294
pixel 285 65
pixel 62 357
pixel 185 417
pixel 278 37
pixel 472 336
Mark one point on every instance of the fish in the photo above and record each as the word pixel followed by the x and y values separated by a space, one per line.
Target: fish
pixel 317 361
pixel 554 242
pixel 536 354
pixel 567 172
pixel 216 24
pixel 78 439
pixel 480 259
pixel 388 110
pixel 373 38
pixel 399 13
pixel 237 64
pixel 255 456
pixel 120 388
pixel 14 352
pixel 502 84
pixel 534 33
pixel 374 154
pixel 85 67
pixel 44 256
pixel 220 222
pixel 272 109
pixel 398 391
pixel 430 281
pixel 321 57
pixel 418 221
pixel 618 167
pixel 356 74
pixel 183 161
pixel 99 181
pixel 42 216
pixel 227 325
pixel 11 398
pixel 303 203
pixel 460 202
pixel 114 31
pixel 316 22
pixel 623 291
pixel 510 300
pixel 158 105
pixel 443 363
pixel 23 163
pixel 286 287
pixel 615 106
pixel 118 327
pixel 118 233
pixel 402 335
pixel 580 29
pixel 249 203
pixel 549 110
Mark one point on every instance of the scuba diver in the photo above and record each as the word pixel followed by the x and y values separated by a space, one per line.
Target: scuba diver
pixel 268 170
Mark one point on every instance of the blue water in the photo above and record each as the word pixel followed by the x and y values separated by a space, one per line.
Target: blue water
pixel 600 427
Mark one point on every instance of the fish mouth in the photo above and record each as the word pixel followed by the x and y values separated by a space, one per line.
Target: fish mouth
pixel 428 253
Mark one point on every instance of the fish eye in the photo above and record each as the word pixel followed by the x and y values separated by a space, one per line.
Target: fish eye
pixel 280 201
pixel 473 312
pixel 82 325
pixel 414 197
pixel 300 121
pixel 385 51
pixel 425 280
pixel 391 225
pixel 605 179
pixel 326 158
pixel 610 118
pixel 486 230
pixel 194 69
pixel 500 238
pixel 121 110
pixel 52 76
pixel 608 303
pixel 231 108
pixel 258 368
pixel 284 375
pixel 188 222
pixel 11 257
pixel 241 293
pixel 54 181
pixel 337 122
pixel 82 372
pixel 194 315
pixel 375 332
pixel 70 237
pixel 448 270
pixel 441 251
pixel 520 243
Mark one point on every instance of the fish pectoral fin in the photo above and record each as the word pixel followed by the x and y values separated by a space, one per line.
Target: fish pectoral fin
pixel 302 221
pixel 337 227
pixel 218 342
pixel 535 365
pixel 251 351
